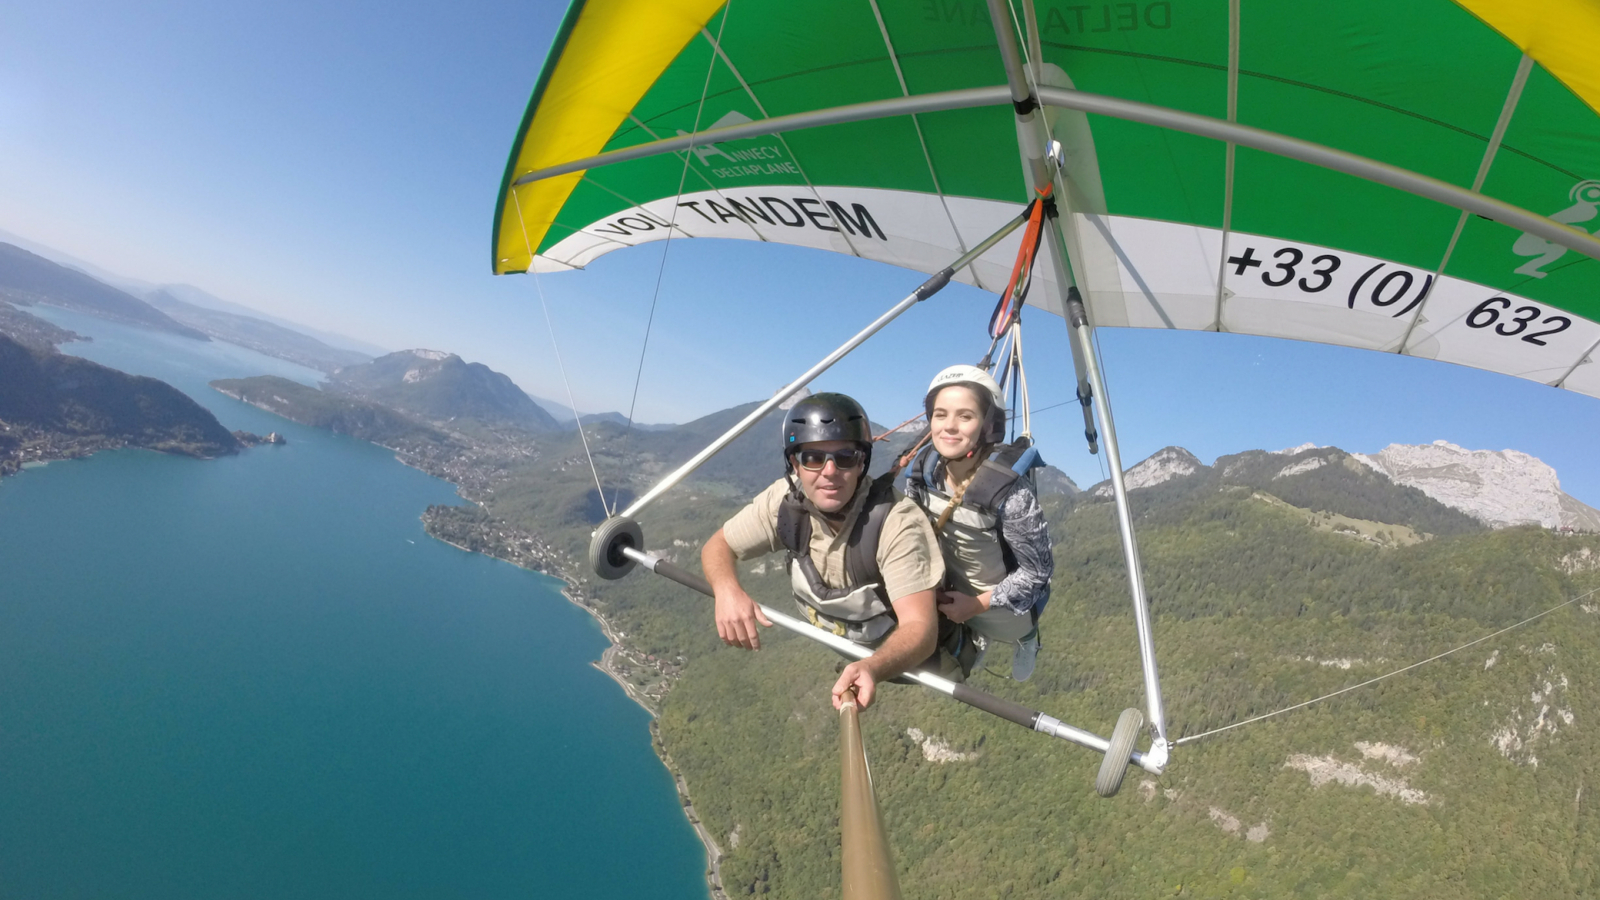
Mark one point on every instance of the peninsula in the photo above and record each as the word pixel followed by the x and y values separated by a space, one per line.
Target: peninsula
pixel 54 406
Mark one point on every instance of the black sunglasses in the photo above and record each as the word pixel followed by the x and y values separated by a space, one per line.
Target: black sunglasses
pixel 844 460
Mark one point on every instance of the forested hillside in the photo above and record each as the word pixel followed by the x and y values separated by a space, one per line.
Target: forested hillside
pixel 339 414
pixel 1469 777
pixel 54 406
pixel 441 386
pixel 1274 579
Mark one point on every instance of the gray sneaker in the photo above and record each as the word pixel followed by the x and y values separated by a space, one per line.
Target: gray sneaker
pixel 1026 655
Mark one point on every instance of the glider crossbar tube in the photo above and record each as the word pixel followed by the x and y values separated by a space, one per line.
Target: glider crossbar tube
pixel 964 98
pixel 1328 158
pixel 927 289
pixel 1118 108
pixel 996 706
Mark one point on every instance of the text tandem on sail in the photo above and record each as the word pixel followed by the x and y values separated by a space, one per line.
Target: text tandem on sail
pixel 795 212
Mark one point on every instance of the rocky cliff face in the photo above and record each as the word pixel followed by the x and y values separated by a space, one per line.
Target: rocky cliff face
pixel 1500 487
pixel 1438 488
pixel 1162 466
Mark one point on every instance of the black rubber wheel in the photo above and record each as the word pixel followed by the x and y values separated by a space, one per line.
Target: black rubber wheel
pixel 605 547
pixel 1115 765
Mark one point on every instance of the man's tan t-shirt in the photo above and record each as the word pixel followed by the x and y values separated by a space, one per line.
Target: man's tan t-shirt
pixel 908 556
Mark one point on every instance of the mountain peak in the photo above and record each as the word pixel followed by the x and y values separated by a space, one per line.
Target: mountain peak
pixel 1161 466
pixel 439 386
pixel 1500 487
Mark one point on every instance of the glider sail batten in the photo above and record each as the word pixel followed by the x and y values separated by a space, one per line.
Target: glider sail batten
pixel 897 189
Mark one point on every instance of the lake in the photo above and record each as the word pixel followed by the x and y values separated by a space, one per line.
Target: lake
pixel 257 677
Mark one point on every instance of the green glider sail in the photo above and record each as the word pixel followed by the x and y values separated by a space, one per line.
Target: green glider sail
pixel 1167 229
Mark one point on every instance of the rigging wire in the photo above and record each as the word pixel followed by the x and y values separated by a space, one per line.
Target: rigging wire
pixel 895 430
pixel 1022 382
pixel 672 225
pixel 611 508
pixel 1195 737
pixel 560 365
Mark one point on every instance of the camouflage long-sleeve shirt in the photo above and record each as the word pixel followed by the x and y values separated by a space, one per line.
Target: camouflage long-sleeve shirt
pixel 1023 529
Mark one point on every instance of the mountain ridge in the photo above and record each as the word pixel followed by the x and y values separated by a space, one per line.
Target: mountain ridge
pixel 27 278
pixel 1494 489
pixel 441 386
pixel 188 293
pixel 256 334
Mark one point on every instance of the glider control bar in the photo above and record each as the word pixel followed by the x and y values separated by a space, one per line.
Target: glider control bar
pixel 925 290
pixel 989 703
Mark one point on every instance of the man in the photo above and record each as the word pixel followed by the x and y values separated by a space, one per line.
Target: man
pixel 863 560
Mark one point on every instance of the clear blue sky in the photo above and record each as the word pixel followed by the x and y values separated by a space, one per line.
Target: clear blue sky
pixel 336 164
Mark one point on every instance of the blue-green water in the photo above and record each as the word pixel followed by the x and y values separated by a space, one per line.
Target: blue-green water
pixel 256 677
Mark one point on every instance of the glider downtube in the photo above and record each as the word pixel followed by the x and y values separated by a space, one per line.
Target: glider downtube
pixel 1042 172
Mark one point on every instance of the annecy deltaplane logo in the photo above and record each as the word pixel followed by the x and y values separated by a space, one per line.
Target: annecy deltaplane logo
pixel 1585 197
pixel 765 159
pixel 771 204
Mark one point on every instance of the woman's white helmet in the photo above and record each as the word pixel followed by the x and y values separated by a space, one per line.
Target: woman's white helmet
pixel 982 384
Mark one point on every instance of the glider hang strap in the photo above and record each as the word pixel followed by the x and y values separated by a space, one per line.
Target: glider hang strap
pixel 1009 307
pixel 1005 323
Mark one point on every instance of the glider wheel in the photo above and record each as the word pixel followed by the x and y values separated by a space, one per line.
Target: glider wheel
pixel 1115 765
pixel 605 547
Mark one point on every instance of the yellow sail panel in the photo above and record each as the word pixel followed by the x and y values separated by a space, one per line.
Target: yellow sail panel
pixel 613 52
pixel 1561 35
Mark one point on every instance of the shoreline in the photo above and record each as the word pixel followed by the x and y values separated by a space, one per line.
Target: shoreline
pixel 608 663
pixel 611 661
pixel 713 849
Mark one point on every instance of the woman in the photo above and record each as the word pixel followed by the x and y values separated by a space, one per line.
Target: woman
pixel 991 529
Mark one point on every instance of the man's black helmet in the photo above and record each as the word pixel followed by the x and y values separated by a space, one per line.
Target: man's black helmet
pixel 826 417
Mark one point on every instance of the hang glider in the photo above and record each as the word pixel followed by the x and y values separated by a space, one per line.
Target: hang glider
pixel 1408 176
